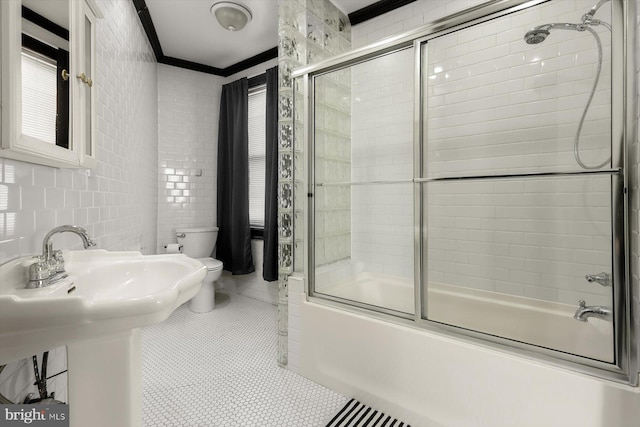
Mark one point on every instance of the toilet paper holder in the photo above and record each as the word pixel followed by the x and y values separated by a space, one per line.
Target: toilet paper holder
pixel 171 244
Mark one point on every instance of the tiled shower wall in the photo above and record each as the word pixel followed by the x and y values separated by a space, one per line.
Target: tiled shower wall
pixel 382 150
pixel 117 202
pixel 529 94
pixel 422 11
pixel 496 105
pixel 332 164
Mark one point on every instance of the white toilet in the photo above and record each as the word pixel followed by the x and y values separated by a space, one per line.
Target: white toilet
pixel 199 243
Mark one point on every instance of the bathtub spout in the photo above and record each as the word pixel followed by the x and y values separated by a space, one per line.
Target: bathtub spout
pixel 584 312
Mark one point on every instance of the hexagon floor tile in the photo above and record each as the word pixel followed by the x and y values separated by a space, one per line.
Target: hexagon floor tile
pixel 220 369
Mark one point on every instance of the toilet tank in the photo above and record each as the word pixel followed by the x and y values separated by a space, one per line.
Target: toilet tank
pixel 197 242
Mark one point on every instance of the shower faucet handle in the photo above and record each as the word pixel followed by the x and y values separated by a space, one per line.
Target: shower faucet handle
pixel 601 278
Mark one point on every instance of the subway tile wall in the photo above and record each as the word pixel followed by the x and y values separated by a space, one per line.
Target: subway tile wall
pixel 406 18
pixel 188 110
pixel 117 201
pixel 382 150
pixel 332 164
pixel 496 105
pixel 536 238
pixel 485 85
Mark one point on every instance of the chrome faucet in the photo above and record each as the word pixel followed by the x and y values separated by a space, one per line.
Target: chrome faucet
pixel 47 245
pixel 584 311
pixel 49 267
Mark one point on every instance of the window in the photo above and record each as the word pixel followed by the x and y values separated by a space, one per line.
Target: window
pixel 38 96
pixel 45 89
pixel 257 155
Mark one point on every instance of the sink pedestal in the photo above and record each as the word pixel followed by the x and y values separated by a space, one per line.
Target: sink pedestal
pixel 105 380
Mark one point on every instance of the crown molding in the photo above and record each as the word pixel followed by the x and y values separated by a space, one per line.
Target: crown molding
pixel 379 8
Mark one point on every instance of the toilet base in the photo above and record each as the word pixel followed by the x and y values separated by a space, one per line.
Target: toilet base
pixel 205 300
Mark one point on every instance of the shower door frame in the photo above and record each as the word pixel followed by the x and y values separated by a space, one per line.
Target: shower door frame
pixel 625 369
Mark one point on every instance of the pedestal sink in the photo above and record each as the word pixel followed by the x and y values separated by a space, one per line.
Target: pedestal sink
pixel 97 312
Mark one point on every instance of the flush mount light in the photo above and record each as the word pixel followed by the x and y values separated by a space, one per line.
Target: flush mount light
pixel 231 16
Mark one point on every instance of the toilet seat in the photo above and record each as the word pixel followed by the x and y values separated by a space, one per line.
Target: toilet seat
pixel 211 264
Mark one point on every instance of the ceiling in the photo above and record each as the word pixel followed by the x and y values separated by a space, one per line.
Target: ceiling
pixel 56 11
pixel 188 31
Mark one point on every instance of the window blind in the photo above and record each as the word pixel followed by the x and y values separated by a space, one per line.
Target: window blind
pixel 257 156
pixel 39 97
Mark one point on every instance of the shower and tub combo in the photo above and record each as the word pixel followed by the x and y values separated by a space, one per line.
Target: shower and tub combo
pixel 466 194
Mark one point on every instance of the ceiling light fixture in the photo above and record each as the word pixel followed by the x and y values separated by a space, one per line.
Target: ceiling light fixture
pixel 230 15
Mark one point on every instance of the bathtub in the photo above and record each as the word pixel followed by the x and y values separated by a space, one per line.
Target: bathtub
pixel 434 380
pixel 542 323
pixel 377 289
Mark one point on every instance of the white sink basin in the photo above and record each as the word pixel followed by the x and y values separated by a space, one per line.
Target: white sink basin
pixel 106 292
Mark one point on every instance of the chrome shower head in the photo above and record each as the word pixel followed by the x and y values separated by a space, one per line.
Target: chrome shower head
pixel 535 36
pixel 538 34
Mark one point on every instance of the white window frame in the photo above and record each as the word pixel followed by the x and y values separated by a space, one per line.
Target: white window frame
pixel 257 154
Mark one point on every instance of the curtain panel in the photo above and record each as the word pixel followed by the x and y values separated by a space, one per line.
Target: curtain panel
pixel 234 235
pixel 270 261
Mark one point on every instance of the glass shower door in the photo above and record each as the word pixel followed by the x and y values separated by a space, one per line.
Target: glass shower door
pixel 517 234
pixel 363 201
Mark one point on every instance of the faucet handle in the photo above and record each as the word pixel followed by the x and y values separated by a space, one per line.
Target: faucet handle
pixel 39 274
pixel 58 261
pixel 582 303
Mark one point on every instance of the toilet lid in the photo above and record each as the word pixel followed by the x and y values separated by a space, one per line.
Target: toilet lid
pixel 211 264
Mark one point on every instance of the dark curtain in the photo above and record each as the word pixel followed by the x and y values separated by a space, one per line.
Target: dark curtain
pixel 270 262
pixel 234 235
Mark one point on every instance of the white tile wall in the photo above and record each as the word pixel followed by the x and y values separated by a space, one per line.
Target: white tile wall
pixel 188 110
pixel 382 150
pixel 535 238
pixel 406 18
pixel 382 118
pixel 332 164
pixel 496 104
pixel 117 203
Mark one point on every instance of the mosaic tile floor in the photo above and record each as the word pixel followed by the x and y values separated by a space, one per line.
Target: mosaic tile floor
pixel 219 369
